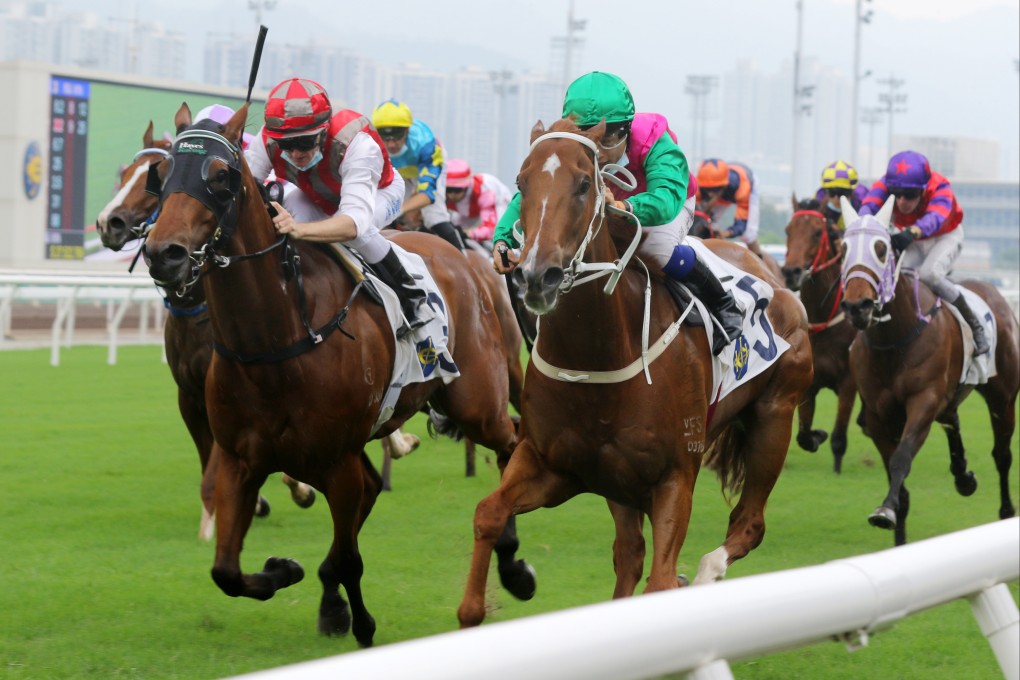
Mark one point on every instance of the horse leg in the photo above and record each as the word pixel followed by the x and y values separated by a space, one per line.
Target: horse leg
pixel 966 483
pixel 387 462
pixel 526 484
pixel 469 458
pixel 208 486
pixel 846 395
pixel 763 448
pixel 1002 409
pixel 809 439
pixel 670 517
pixel 302 494
pixel 351 492
pixel 237 488
pixel 197 421
pixel 628 548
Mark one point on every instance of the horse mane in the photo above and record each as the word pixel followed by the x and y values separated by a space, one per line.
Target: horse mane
pixel 809 204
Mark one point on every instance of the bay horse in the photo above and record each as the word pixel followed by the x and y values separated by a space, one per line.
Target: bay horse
pixel 594 429
pixel 908 362
pixel 812 268
pixel 286 392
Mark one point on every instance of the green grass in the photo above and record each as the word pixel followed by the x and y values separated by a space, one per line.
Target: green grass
pixel 104 577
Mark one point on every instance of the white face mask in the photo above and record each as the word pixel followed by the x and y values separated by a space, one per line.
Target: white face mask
pixel 311 164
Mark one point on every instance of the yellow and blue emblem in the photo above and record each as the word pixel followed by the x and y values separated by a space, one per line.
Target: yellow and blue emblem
pixel 32 170
pixel 428 357
pixel 741 356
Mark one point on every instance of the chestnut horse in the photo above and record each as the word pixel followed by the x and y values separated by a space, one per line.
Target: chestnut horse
pixel 812 268
pixel 186 335
pixel 639 445
pixel 286 392
pixel 908 363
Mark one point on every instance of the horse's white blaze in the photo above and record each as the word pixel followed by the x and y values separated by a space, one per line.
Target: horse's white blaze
pixel 712 566
pixel 552 163
pixel 529 261
pixel 117 200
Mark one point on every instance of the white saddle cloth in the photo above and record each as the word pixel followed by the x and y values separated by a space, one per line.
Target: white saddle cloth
pixel 976 370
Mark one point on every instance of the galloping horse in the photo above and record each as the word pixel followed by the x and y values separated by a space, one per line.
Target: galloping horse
pixel 701 227
pixel 286 392
pixel 812 268
pixel 909 362
pixel 186 334
pixel 596 427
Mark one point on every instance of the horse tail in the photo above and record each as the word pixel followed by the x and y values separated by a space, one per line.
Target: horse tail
pixel 727 456
pixel 441 425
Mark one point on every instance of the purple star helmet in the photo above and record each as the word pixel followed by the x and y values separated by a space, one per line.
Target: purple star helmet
pixel 907 170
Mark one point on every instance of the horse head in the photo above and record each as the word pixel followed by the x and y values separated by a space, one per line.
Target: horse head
pixel 562 209
pixel 701 225
pixel 811 245
pixel 124 217
pixel 201 186
pixel 869 264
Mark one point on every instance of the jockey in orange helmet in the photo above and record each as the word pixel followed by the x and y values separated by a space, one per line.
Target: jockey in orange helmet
pixel 722 184
pixel 347 188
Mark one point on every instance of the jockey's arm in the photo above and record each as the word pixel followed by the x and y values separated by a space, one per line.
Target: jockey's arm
pixel 667 175
pixel 258 159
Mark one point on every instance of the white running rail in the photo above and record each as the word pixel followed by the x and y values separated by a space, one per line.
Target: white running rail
pixel 700 629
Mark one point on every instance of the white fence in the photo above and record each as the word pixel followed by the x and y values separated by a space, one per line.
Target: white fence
pixel 67 290
pixel 700 629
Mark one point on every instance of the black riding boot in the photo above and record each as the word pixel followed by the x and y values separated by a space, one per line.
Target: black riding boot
pixel 391 270
pixel 980 340
pixel 706 286
pixel 449 233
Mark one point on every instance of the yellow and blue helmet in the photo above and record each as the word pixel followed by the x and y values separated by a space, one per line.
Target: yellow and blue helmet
pixel 392 114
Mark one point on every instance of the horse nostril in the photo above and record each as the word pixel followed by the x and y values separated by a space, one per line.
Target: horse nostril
pixel 552 278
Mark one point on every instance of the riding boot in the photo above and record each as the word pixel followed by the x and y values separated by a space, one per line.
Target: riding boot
pixel 980 339
pixel 719 301
pixel 449 233
pixel 391 270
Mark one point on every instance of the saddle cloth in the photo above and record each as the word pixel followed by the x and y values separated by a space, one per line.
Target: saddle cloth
pixel 758 346
pixel 976 370
pixel 422 354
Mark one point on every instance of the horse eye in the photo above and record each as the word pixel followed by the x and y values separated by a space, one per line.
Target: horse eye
pixel 583 188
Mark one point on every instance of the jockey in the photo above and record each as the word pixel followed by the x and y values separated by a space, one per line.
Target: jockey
pixel 839 178
pixel 663 200
pixel 929 227
pixel 476 200
pixel 346 187
pixel 418 157
pixel 720 185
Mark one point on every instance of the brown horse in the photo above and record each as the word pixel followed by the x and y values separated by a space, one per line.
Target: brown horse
pixel 639 445
pixel 286 392
pixel 701 227
pixel 186 333
pixel 812 268
pixel 908 363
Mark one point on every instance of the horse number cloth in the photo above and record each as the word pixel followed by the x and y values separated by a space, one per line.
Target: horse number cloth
pixel 976 370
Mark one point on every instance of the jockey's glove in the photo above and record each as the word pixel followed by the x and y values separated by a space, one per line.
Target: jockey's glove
pixel 901 239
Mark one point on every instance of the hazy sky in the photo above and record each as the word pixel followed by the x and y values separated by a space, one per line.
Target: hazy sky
pixel 958 57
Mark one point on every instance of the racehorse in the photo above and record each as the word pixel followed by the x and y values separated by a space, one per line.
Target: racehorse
pixel 701 227
pixel 639 445
pixel 303 362
pixel 909 361
pixel 812 268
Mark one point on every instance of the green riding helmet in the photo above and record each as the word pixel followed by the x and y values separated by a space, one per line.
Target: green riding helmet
pixel 598 95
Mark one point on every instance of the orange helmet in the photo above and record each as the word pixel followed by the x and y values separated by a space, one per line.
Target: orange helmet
pixel 713 173
pixel 297 107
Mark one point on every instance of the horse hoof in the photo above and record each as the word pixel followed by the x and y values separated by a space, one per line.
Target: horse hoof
pixel 682 580
pixel 364 632
pixel 966 484
pixel 334 617
pixel 810 441
pixel 262 508
pixel 883 518
pixel 306 502
pixel 283 571
pixel 519 580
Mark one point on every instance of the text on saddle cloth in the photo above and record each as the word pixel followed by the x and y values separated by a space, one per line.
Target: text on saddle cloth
pixel 758 346
pixel 422 354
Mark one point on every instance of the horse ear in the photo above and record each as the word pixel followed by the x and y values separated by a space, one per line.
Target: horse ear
pixel 793 201
pixel 598 131
pixel 235 126
pixel 884 215
pixel 537 131
pixel 147 137
pixel 182 119
pixel 849 214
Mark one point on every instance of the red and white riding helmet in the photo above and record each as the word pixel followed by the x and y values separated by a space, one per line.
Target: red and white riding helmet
pixel 458 174
pixel 297 107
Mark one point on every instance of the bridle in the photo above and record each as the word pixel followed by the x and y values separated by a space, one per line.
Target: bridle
pixel 862 261
pixel 819 264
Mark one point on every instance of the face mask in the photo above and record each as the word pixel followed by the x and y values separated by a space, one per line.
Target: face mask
pixel 311 164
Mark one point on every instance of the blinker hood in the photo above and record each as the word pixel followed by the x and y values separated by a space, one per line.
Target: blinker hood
pixel 189 164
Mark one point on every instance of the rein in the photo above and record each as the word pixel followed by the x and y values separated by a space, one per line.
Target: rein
pixel 820 264
pixel 614 270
